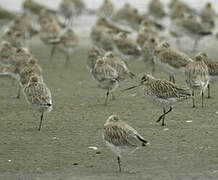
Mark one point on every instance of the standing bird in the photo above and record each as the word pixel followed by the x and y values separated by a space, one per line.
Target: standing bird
pixel 197 77
pixel 6 53
pixel 212 66
pixel 126 48
pixel 106 40
pixel 50 34
pixel 144 33
pixel 192 28
pixel 163 92
pixel 156 9
pixel 93 56
pixel 106 76
pixel 67 10
pixel 171 60
pixel 14 37
pixel 148 51
pixel 208 15
pixel 106 9
pixel 68 42
pixel 38 96
pixel 120 137
pixel 30 69
pixel 119 65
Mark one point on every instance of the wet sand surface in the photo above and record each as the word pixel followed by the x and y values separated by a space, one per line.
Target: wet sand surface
pixel 187 148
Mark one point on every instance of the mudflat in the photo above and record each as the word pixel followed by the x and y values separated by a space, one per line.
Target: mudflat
pixel 186 148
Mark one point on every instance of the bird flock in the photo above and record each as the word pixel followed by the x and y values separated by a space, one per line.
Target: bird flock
pixel 120 38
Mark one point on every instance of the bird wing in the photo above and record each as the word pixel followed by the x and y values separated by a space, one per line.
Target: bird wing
pixel 134 137
pixel 38 93
pixel 164 89
pixel 175 58
pixel 116 135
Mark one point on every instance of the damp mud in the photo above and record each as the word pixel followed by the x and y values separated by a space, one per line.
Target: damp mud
pixel 186 148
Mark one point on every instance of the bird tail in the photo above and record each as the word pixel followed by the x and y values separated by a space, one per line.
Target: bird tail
pixel 205 33
pixel 144 142
pixel 131 75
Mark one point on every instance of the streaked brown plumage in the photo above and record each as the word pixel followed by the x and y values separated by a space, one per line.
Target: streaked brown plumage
pixel 96 34
pixel 144 33
pixel 103 31
pixel 38 96
pixel 67 43
pixel 123 13
pixel 208 15
pixel 163 92
pixel 126 48
pixel 106 40
pixel 30 69
pixel 68 10
pixel 176 12
pixel 148 51
pixel 104 22
pixel 50 34
pixel 19 58
pixel 119 65
pixel 14 37
pixel 197 76
pixel 193 29
pixel 106 76
pixel 212 66
pixel 93 55
pixel 170 59
pixel 24 24
pixel 120 137
pixel 6 53
pixel 106 9
pixel 156 8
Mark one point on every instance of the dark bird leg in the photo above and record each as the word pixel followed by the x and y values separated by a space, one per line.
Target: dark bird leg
pixel 153 67
pixel 170 78
pixel 106 98
pixel 173 77
pixel 193 99
pixel 163 118
pixel 40 124
pixel 52 52
pixel 18 92
pixel 119 163
pixel 163 115
pixel 208 88
pixel 202 99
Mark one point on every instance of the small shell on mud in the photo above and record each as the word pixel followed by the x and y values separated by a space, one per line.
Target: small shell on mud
pixel 188 121
pixel 55 138
pixel 93 147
